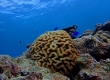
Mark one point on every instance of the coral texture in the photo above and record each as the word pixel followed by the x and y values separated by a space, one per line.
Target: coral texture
pixel 103 36
pixel 55 51
pixel 21 68
pixel 93 70
pixel 86 33
pixel 86 44
pixel 98 27
pixel 106 26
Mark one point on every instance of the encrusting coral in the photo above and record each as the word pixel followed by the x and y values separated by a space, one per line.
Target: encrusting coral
pixel 22 68
pixel 55 51
pixel 103 36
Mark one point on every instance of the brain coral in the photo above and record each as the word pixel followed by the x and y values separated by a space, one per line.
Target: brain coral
pixel 55 51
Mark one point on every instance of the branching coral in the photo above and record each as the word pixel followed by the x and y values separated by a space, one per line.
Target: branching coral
pixel 55 51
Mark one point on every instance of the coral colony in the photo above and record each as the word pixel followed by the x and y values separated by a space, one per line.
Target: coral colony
pixel 55 51
pixel 58 55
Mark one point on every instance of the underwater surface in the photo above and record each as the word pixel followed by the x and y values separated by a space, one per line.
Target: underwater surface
pixel 22 21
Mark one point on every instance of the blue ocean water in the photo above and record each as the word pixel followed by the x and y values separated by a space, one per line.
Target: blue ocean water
pixel 25 20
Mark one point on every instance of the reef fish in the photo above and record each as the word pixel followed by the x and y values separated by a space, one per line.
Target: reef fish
pixel 75 34
pixel 36 31
pixel 56 28
pixel 19 43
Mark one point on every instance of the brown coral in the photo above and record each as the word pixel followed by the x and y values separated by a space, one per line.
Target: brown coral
pixel 103 36
pixel 55 51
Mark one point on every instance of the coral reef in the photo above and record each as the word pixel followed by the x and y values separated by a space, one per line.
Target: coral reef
pixel 33 76
pixel 103 27
pixel 55 55
pixel 97 45
pixel 21 68
pixel 91 69
pixel 101 52
pixel 103 36
pixel 86 33
pixel 86 44
pixel 98 28
pixel 106 26
pixel 55 51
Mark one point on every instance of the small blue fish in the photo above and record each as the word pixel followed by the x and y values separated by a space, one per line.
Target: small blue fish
pixel 75 34
pixel 56 28
pixel 19 43
pixel 36 31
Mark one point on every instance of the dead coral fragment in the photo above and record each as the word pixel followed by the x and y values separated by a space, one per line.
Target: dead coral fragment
pixel 55 51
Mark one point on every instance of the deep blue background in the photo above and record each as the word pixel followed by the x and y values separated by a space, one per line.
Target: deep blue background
pixel 20 21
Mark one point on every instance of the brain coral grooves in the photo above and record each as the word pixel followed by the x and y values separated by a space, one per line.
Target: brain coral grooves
pixel 55 51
